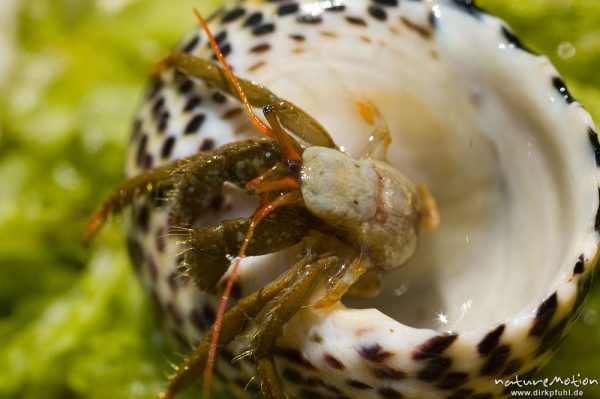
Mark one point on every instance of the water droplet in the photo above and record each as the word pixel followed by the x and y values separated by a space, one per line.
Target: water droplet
pixel 565 50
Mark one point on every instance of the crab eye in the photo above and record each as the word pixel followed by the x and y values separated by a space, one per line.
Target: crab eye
pixel 293 165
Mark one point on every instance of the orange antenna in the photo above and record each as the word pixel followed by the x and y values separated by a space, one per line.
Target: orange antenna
pixel 262 212
pixel 215 47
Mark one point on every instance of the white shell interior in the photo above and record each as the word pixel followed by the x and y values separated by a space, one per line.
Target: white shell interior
pixel 479 123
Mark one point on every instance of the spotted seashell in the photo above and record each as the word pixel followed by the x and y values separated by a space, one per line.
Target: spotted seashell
pixel 489 127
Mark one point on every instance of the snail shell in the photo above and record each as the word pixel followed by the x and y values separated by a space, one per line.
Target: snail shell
pixel 490 128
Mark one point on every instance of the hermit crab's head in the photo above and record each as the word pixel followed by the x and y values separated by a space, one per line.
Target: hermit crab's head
pixel 371 204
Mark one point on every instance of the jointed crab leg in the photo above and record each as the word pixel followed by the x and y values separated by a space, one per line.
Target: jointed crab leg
pixel 292 117
pixel 208 247
pixel 233 321
pixel 288 304
pixel 263 211
pixel 203 173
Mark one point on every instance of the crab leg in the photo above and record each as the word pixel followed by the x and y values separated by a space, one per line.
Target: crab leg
pixel 233 321
pixel 293 118
pixel 203 173
pixel 208 247
pixel 288 304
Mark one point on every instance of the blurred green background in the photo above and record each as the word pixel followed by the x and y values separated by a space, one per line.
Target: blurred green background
pixel 74 322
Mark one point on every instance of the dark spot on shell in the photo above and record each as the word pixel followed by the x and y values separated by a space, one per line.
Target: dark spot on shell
pixel 255 66
pixel 191 45
pixel 495 360
pixel 219 97
pixel 173 281
pixel 579 266
pixel 209 313
pixel 232 15
pixel 374 352
pixel 389 393
pixel 389 3
pixel 377 13
pixel 136 129
pixel 295 357
pixel 194 124
pixel 356 21
pixel 286 9
pixel 433 346
pixel 434 368
pixel 263 29
pixel 260 48
pixel 141 150
pixel 225 50
pixel 422 31
pixel 327 33
pixel 490 341
pixel 219 38
pixel 158 106
pixel 207 145
pixel 163 121
pixel 298 38
pixel 292 375
pixel 595 144
pixel 192 103
pixel 156 84
pixel 358 384
pixel 514 40
pixel 335 8
pixel 142 217
pixel 254 19
pixel 147 161
pixel 561 87
pixel 197 320
pixel 232 113
pixel 332 361
pixel 453 380
pixel 388 373
pixel 309 19
pixel 186 86
pixel 167 147
pixel 597 222
pixel 544 315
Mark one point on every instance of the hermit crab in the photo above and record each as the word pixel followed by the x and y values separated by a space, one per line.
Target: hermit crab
pixel 369 105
